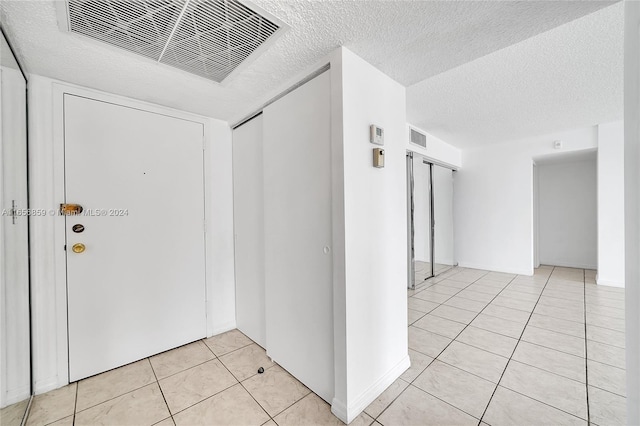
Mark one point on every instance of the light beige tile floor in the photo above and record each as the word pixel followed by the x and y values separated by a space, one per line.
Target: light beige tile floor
pixel 486 348
pixel 522 351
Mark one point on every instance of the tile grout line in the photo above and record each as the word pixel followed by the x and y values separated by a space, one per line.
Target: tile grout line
pixel 433 358
pixel 445 348
pixel 240 382
pixel 161 391
pixel 516 346
pixel 586 346
pixel 75 404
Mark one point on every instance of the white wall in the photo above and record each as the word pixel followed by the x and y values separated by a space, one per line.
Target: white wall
pixel 632 205
pixel 493 199
pixel 567 208
pixel 46 162
pixel 437 150
pixel 248 213
pixel 371 326
pixel 611 204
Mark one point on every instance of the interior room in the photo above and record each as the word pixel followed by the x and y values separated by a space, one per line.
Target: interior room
pixel 278 212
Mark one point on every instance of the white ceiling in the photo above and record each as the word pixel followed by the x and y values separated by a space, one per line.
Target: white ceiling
pixel 565 78
pixel 470 94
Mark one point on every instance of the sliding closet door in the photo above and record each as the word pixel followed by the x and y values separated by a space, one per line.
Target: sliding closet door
pixel 297 223
pixel 443 218
pixel 422 219
pixel 248 217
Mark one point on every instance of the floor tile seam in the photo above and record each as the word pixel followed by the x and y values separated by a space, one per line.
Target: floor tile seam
pixel 445 348
pixel 418 319
pixel 606 344
pixel 492 331
pixel 515 347
pixel 550 372
pixel 483 349
pixel 511 307
pixel 464 309
pixel 608 365
pixel 608 390
pixel 160 387
pixel 446 402
pixel 549 329
pixel 290 405
pixel 602 362
pixel 230 352
pixel 593 304
pixel 556 317
pixel 461 369
pixel 118 396
pixel 202 400
pixel 602 326
pixel 586 351
pixel 604 315
pixel 75 405
pixel 431 331
pixel 239 382
pixel 549 347
pixel 542 402
pixel 186 369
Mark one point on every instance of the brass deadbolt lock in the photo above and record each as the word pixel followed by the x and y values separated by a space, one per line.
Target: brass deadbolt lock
pixel 78 248
pixel 70 209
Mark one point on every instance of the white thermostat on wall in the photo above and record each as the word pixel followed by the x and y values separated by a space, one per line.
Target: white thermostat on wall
pixel 376 135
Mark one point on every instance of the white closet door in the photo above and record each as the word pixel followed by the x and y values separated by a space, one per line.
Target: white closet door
pixel 248 217
pixel 138 288
pixel 297 219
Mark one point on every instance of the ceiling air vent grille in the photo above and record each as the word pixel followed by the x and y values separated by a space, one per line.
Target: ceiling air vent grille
pixel 418 138
pixel 210 38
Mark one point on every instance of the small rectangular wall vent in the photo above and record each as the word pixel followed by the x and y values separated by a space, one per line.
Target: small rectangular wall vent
pixel 418 138
pixel 210 38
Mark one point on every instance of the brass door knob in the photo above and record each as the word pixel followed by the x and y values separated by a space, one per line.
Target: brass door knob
pixel 78 248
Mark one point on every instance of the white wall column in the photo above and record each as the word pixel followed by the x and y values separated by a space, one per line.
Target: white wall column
pixel 611 204
pixel 632 205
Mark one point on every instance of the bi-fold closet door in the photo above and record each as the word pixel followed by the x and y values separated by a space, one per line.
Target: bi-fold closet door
pixel 430 219
pixel 283 234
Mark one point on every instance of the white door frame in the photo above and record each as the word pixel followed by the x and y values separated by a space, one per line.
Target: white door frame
pixel 47 241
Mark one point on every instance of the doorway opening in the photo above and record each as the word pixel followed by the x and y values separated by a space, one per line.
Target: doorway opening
pixel 565 210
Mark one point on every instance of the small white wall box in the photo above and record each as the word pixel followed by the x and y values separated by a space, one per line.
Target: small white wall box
pixel 378 157
pixel 376 134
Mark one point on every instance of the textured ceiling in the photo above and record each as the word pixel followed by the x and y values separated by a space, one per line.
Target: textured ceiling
pixel 569 77
pixel 408 40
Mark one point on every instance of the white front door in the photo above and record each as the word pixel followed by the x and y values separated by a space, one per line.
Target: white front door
pixel 138 288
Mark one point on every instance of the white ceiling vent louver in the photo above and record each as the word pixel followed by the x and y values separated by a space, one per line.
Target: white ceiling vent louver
pixel 210 38
pixel 418 138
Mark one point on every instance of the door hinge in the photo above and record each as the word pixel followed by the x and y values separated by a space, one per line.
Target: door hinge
pixel 65 247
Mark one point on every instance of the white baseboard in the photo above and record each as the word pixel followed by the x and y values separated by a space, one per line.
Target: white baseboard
pixel 495 268
pixel 569 264
pixel 339 410
pixel 609 283
pixel 43 386
pixel 349 413
pixel 222 328
pixel 17 395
